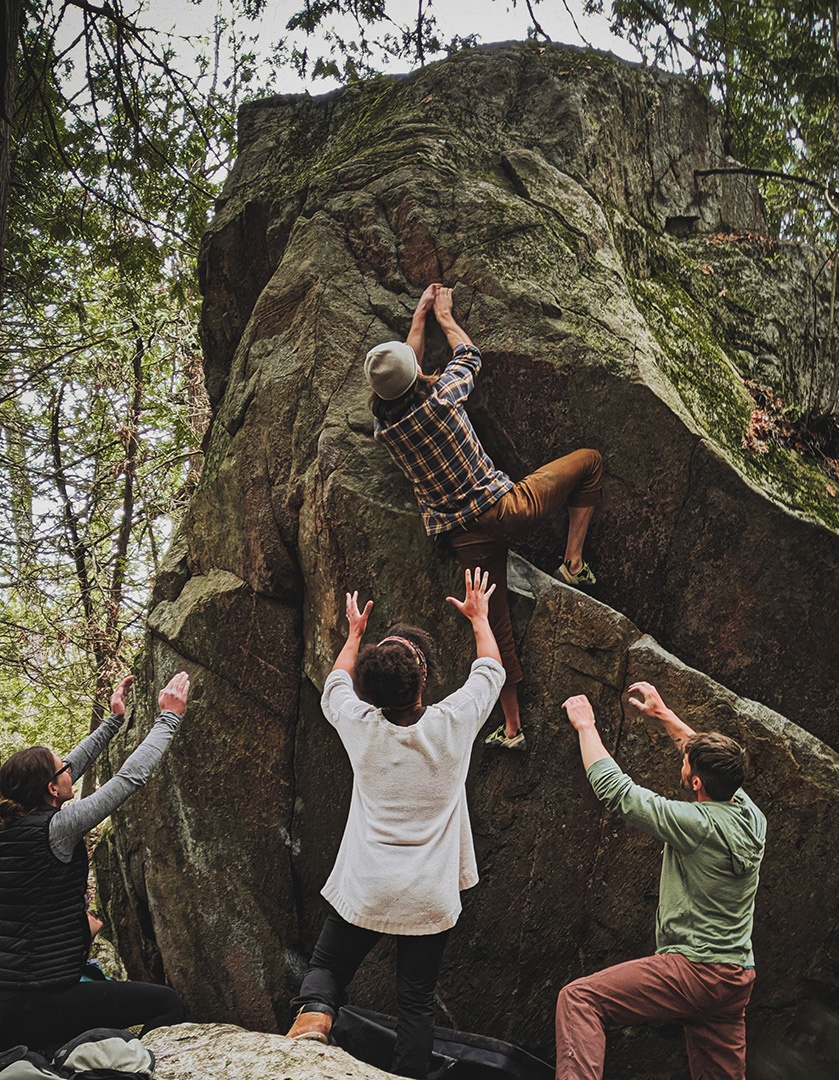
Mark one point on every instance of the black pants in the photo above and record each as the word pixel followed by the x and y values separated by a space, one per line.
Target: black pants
pixel 47 1018
pixel 338 954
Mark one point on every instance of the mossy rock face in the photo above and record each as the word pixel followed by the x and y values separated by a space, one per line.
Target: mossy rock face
pixel 554 189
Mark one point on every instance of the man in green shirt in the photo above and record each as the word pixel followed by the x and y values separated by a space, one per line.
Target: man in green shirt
pixel 703 968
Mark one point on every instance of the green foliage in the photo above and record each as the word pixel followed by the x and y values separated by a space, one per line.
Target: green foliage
pixel 100 432
pixel 774 67
pixel 359 36
pixel 36 709
pixel 102 409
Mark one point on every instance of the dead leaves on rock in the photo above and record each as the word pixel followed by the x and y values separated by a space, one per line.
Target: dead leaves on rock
pixel 767 244
pixel 770 424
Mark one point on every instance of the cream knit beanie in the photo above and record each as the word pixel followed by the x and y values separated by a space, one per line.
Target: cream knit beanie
pixel 391 369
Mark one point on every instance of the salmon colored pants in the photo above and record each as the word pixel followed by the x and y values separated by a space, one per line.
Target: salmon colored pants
pixel 709 999
pixel 573 480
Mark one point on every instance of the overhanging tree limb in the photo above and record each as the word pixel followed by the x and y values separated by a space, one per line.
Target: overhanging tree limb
pixel 537 26
pixel 773 174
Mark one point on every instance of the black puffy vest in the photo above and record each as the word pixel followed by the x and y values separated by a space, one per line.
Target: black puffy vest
pixel 44 932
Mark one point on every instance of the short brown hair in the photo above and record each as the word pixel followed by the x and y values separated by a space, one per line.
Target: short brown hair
pixel 23 782
pixel 719 762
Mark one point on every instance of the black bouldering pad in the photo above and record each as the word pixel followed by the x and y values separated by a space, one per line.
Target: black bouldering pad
pixel 458 1055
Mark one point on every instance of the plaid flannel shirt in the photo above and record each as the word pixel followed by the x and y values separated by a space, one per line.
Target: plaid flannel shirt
pixel 436 447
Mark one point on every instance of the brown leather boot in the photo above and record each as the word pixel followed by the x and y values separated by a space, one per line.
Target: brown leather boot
pixel 311 1025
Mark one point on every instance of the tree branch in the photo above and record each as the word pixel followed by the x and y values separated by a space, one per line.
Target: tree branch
pixel 771 174
pixel 77 548
pixel 536 24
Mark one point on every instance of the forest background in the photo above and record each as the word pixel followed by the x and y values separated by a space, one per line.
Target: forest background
pixel 117 130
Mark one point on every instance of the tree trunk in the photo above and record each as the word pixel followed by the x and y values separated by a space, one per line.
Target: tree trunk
pixel 11 16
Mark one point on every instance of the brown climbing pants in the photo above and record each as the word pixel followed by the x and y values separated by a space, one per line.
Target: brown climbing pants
pixel 573 480
pixel 710 999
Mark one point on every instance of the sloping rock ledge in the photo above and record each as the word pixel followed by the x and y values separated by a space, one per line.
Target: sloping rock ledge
pixel 201 1051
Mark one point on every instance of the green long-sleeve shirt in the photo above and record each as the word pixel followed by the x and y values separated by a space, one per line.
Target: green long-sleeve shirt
pixel 709 870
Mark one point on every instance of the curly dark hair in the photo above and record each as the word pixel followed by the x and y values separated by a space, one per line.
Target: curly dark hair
pixel 388 412
pixel 390 675
pixel 23 782
pixel 719 762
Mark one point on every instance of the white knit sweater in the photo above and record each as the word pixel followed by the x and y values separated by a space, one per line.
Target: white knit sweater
pixel 407 848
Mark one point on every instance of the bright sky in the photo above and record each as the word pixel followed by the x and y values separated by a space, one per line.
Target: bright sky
pixel 493 20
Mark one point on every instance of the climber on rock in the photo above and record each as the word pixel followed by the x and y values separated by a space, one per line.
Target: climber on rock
pixel 703 969
pixel 407 850
pixel 422 421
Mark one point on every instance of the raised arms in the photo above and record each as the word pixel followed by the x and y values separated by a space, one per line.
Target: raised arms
pixel 475 607
pixel 78 818
pixel 438 298
pixel 416 335
pixel 581 716
pixel 346 658
pixel 650 702
pixel 455 334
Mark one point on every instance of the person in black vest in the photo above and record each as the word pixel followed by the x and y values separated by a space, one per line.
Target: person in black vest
pixel 45 932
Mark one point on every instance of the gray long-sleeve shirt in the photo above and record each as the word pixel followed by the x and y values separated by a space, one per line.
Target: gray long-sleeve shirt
pixel 77 818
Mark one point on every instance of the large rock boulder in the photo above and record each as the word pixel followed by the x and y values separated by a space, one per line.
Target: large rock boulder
pixel 556 190
pixel 620 290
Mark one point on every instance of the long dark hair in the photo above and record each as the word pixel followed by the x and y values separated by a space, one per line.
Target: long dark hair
pixel 23 782
pixel 388 412
pixel 389 676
